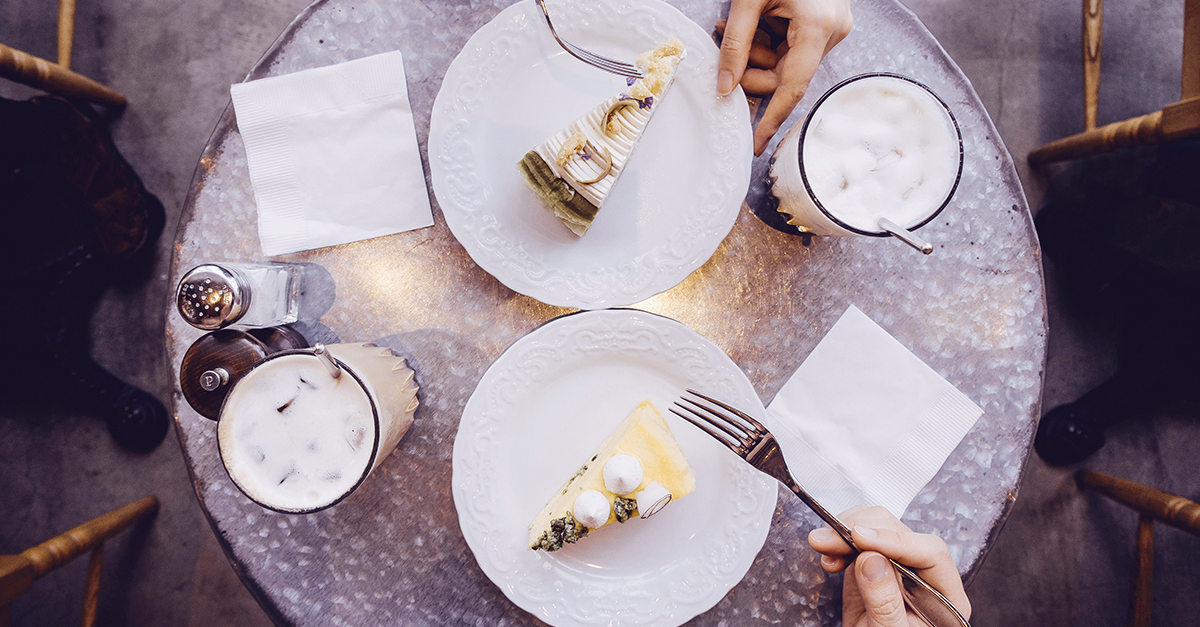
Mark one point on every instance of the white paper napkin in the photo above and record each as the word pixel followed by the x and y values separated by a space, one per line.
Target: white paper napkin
pixel 864 421
pixel 333 154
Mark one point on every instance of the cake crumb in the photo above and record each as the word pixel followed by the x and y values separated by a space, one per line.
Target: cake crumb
pixel 573 146
pixel 657 65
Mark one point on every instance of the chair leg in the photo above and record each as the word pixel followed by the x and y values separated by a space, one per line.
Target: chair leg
pixel 1141 599
pixel 1093 24
pixel 91 591
pixel 1191 49
pixel 66 31
pixel 63 548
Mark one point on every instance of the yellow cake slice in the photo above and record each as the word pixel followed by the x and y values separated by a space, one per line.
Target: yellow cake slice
pixel 574 171
pixel 665 476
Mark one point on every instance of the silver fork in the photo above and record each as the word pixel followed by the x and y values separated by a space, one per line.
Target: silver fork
pixel 620 68
pixel 751 441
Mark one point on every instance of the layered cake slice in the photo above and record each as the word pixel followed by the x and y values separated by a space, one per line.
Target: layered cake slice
pixel 636 471
pixel 574 171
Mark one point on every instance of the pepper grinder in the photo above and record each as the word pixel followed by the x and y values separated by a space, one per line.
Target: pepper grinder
pixel 216 361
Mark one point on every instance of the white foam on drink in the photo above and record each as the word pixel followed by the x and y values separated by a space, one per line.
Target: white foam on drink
pixel 293 437
pixel 881 147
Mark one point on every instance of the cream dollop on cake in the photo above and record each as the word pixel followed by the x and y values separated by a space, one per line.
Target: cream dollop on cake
pixel 574 171
pixel 592 509
pixel 622 474
pixel 666 475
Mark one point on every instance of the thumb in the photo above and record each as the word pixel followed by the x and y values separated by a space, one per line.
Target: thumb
pixel 736 42
pixel 880 591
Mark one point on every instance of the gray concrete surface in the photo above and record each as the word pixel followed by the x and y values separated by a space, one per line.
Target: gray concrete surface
pixel 1063 559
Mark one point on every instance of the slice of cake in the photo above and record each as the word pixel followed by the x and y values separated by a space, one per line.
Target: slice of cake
pixel 574 171
pixel 637 470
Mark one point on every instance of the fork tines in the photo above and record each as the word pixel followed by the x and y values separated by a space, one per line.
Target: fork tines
pixel 612 66
pixel 743 429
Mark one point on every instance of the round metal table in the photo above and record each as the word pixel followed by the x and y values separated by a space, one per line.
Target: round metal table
pixel 393 552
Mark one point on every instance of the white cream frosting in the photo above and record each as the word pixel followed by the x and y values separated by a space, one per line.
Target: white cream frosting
pixel 591 509
pixel 622 474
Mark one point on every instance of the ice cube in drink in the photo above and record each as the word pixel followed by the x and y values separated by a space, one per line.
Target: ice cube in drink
pixel 296 439
pixel 875 146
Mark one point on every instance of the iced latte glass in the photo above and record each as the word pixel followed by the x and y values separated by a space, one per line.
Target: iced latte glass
pixel 295 438
pixel 875 146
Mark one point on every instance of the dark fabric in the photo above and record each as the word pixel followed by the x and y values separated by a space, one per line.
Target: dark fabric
pixel 76 219
pixel 1123 233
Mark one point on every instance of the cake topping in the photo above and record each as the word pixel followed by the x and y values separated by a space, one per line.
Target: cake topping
pixel 657 65
pixel 574 171
pixel 575 145
pixel 580 146
pixel 622 474
pixel 565 530
pixel 609 124
pixel 623 508
pixel 591 509
pixel 651 500
pixel 583 502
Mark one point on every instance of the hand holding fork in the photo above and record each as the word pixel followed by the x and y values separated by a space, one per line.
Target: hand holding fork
pixel 871 598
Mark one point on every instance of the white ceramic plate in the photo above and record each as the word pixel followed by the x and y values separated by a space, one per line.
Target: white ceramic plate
pixel 512 86
pixel 542 408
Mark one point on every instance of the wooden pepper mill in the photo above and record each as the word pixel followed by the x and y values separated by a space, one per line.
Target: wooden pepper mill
pixel 216 361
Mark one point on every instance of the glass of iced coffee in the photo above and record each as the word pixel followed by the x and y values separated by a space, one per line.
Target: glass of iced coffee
pixel 876 150
pixel 304 428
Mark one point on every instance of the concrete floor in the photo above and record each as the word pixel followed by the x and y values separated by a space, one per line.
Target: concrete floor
pixel 1063 559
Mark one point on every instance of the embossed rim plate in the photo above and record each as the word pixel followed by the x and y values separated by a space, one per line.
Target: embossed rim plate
pixel 542 408
pixel 512 86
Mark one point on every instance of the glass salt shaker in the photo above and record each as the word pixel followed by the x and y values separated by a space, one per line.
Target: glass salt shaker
pixel 218 295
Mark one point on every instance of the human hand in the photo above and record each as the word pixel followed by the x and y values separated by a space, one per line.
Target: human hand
pixel 871 592
pixel 813 28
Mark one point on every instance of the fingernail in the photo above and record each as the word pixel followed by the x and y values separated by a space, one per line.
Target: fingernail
pixel 866 532
pixel 828 562
pixel 824 534
pixel 724 82
pixel 874 567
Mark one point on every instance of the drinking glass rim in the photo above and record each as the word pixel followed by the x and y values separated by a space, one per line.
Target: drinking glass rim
pixel 804 132
pixel 374 415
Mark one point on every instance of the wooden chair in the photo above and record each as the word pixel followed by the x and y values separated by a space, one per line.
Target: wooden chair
pixel 18 572
pixel 1151 505
pixel 57 78
pixel 1175 121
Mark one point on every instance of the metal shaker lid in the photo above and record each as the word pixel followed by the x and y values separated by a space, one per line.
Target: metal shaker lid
pixel 212 297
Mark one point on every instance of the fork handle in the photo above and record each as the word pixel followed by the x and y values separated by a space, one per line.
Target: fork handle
pixel 838 526
pixel 919 596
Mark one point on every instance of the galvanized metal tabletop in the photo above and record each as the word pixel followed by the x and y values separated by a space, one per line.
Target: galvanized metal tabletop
pixel 393 554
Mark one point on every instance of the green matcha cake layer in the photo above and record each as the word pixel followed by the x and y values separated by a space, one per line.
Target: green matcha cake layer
pixel 573 209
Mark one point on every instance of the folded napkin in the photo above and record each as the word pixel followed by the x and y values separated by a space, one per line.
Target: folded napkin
pixel 864 421
pixel 333 154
